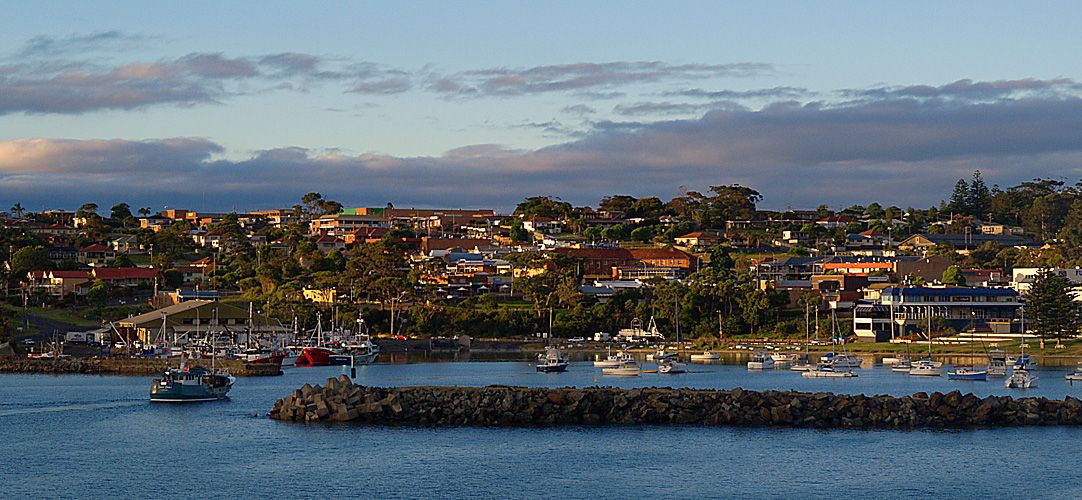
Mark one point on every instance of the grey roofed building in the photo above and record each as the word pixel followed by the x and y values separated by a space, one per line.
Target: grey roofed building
pixel 964 241
pixel 196 317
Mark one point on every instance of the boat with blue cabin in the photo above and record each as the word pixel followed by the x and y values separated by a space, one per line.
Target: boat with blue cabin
pixel 190 384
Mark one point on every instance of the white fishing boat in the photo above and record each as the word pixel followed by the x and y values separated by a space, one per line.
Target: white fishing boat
pixel 627 368
pixel 761 360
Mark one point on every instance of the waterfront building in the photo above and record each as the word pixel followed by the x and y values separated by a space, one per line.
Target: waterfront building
pixel 900 311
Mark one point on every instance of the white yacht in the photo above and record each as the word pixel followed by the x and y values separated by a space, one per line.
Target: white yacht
pixel 760 360
pixel 901 365
pixel 674 366
pixel 1021 379
pixel 926 368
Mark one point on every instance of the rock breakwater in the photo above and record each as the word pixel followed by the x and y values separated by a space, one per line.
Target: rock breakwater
pixel 125 366
pixel 341 400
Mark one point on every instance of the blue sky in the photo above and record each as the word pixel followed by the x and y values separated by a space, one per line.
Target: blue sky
pixel 215 105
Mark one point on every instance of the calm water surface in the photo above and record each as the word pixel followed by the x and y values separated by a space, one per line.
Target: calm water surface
pixel 98 437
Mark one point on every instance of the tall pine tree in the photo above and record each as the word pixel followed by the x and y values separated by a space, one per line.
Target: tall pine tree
pixel 1052 309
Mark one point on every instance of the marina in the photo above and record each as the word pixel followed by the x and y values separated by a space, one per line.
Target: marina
pixel 88 424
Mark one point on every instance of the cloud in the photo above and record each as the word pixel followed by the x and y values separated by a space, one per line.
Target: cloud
pixel 902 152
pixel 583 77
pixel 48 46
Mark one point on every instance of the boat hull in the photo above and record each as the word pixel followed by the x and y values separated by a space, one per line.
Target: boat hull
pixel 314 356
pixel 176 389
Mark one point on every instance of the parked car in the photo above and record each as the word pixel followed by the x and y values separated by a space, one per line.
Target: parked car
pixel 577 339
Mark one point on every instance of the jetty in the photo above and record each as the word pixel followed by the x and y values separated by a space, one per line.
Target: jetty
pixel 341 400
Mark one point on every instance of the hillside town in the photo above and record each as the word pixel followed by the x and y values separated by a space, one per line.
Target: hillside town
pixel 728 269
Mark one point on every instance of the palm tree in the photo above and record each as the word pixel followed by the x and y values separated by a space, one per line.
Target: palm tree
pixel 145 211
pixel 17 209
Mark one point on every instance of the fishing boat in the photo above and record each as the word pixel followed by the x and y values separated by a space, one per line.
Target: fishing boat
pixel 761 360
pixel 319 353
pixel 553 360
pixel 627 368
pixel 191 384
pixel 358 350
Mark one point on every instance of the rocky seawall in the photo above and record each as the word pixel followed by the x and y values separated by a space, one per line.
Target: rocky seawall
pixel 125 366
pixel 341 400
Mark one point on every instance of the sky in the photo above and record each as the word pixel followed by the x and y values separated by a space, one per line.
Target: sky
pixel 220 106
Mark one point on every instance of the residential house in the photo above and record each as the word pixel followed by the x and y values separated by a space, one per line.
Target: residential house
pixel 95 255
pixel 58 283
pixel 328 244
pixel 698 239
pixel 835 221
pixel 543 225
pixel 125 276
pixel 126 244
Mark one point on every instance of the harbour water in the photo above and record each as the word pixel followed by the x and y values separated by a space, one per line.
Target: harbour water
pixel 98 437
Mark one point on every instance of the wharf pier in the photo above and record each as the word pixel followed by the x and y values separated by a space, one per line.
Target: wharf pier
pixel 343 401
